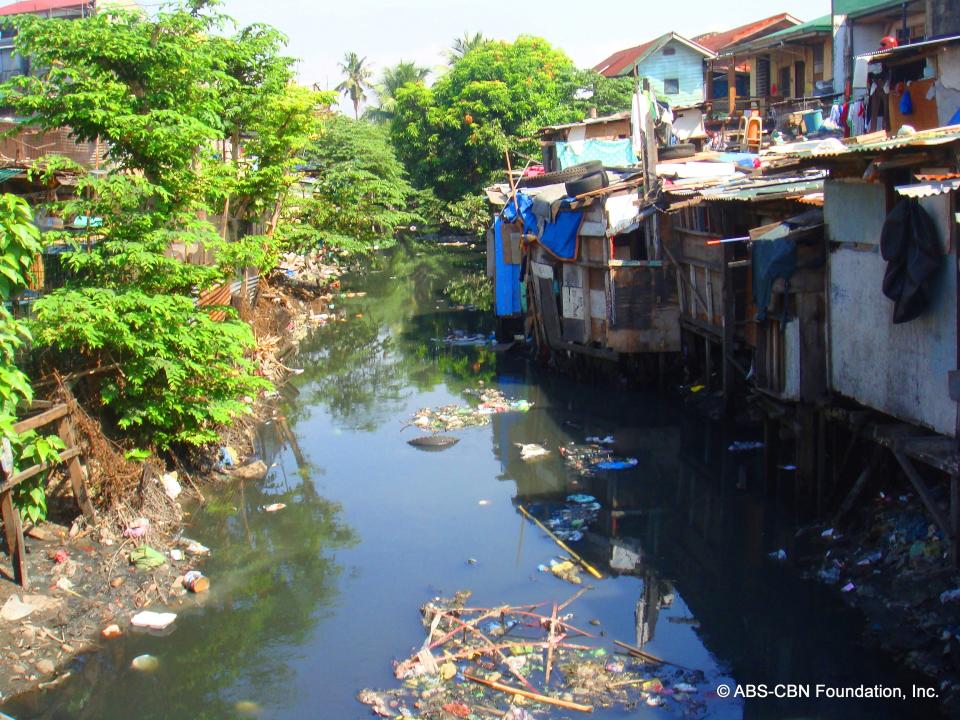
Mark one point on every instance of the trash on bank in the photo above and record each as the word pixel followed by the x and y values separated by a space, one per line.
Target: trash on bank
pixel 586 460
pixel 171 486
pixel 195 548
pixel 111 631
pixel 138 528
pixel 145 558
pixel 500 662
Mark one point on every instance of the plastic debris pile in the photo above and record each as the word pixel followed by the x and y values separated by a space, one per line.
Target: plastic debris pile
pixel 456 417
pixel 587 460
pixel 570 520
pixel 461 338
pixel 517 663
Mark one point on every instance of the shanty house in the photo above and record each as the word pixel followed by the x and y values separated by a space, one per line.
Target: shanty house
pixel 718 73
pixel 673 64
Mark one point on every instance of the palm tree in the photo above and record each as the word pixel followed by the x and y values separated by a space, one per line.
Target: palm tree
pixel 391 81
pixel 462 45
pixel 356 80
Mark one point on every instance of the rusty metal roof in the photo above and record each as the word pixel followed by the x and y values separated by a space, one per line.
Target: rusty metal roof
pixel 42 6
pixel 718 41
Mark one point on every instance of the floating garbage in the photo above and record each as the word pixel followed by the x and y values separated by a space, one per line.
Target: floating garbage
pixel 196 582
pixel 616 464
pixel 111 631
pixel 455 417
pixel 779 555
pixel 274 507
pixel 948 596
pixel 471 666
pixel 433 442
pixel 745 445
pixel 608 440
pixel 153 620
pixel 532 451
pixel 145 663
pixel 195 548
pixel 848 587
pixel 460 338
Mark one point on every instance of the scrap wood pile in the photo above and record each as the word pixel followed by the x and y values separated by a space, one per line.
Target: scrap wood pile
pixel 455 417
pixel 518 662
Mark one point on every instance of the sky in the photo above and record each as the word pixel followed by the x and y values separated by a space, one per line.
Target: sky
pixel 387 31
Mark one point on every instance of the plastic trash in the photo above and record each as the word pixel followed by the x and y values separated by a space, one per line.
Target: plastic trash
pixel 780 555
pixel 196 582
pixel 745 445
pixel 608 440
pixel 153 620
pixel 195 548
pixel 176 554
pixel 138 528
pixel 848 587
pixel 145 557
pixel 828 533
pixel 532 451
pixel 112 631
pixel 624 464
pixel 684 688
pixel 145 663
pixel 274 507
pixel 948 596
pixel 228 456
pixel 171 486
pixel 871 558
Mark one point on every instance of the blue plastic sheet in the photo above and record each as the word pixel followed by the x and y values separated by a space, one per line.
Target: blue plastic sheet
pixel 560 236
pixel 612 153
pixel 508 277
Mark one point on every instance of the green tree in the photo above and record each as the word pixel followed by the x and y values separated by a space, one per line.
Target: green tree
pixel 356 80
pixel 358 192
pixel 392 79
pixel 452 136
pixel 198 122
pixel 462 45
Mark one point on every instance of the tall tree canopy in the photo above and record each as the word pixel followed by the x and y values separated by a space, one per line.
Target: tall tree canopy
pixel 392 79
pixel 356 80
pixel 462 45
pixel 452 137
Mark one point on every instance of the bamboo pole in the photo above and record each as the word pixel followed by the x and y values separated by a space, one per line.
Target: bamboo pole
pixel 648 657
pixel 586 566
pixel 531 695
pixel 550 639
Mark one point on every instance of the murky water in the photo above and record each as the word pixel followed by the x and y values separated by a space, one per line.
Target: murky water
pixel 311 604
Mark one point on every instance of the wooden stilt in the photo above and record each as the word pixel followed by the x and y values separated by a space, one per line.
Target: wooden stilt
pixel 13 530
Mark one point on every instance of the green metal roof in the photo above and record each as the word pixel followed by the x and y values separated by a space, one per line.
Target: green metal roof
pixel 862 7
pixel 822 24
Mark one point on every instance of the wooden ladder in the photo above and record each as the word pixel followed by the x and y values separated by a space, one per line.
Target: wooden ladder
pixel 13 529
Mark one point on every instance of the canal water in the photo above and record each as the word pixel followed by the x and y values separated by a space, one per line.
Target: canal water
pixel 311 604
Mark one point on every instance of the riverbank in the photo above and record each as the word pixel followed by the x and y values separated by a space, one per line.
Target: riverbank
pixel 85 585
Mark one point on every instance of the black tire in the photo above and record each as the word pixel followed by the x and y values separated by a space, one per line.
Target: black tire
pixel 587 184
pixel 555 178
pixel 675 152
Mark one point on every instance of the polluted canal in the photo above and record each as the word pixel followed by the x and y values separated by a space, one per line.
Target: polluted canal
pixel 311 605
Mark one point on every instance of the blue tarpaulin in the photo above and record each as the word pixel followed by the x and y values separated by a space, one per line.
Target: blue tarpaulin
pixel 508 277
pixel 560 236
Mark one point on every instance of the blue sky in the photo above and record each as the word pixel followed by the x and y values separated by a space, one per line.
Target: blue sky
pixel 387 31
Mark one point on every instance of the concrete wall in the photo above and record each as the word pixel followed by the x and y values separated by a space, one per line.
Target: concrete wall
pixel 902 369
pixel 685 65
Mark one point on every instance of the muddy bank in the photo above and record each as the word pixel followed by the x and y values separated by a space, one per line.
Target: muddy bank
pixel 88 582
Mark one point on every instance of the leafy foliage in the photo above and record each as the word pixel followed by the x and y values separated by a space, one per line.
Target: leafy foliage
pixel 356 80
pixel 183 373
pixel 199 122
pixel 392 79
pixel 474 289
pixel 19 244
pixel 452 136
pixel 357 195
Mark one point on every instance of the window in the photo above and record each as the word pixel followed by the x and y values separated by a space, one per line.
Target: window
pixel 818 62
pixel 671 86
pixel 669 51
pixel 763 75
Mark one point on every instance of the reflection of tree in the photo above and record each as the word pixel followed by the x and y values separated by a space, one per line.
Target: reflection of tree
pixel 271 573
pixel 361 370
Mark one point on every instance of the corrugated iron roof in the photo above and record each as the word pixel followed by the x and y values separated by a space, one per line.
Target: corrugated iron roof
pixel 39 6
pixel 910 48
pixel 624 59
pixel 929 188
pixel 718 41
pixel 833 148
pixel 775 191
pixel 589 121
pixel 820 25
